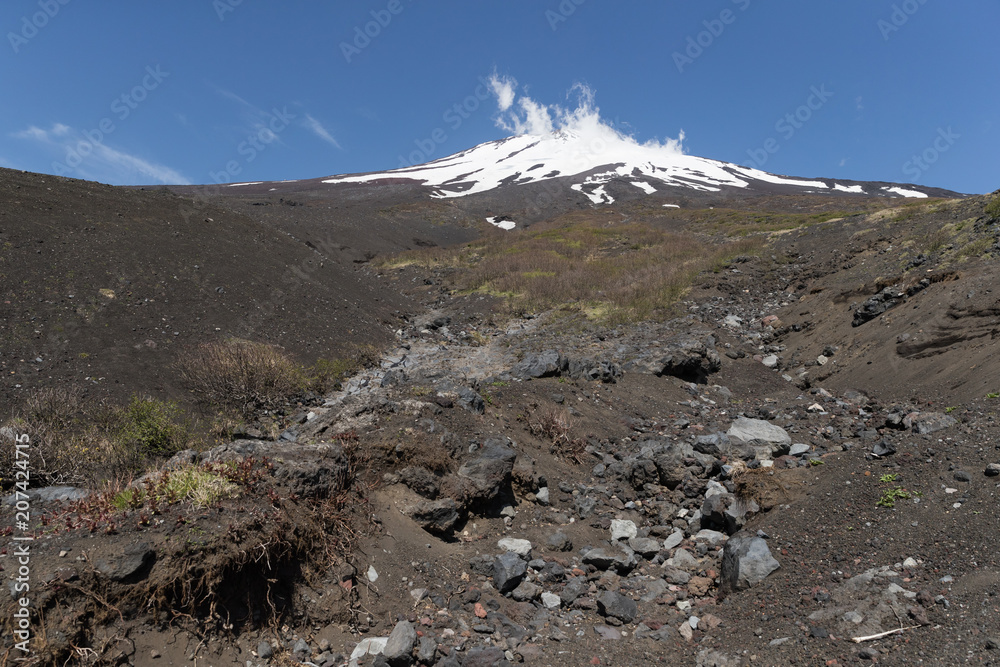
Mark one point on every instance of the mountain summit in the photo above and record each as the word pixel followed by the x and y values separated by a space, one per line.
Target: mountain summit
pixel 594 155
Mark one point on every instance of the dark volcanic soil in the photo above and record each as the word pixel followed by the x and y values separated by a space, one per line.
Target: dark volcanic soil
pixel 863 346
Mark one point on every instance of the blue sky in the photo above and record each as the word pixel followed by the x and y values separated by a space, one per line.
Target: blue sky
pixel 199 91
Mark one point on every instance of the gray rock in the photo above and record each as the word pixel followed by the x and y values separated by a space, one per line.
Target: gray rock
pixel 770 361
pixel 542 496
pixel 992 470
pixel 551 600
pixel 301 650
pixel 486 475
pixel 622 529
pixel 683 559
pixel 923 423
pixel 436 516
pixel 520 547
pixel 559 542
pixel 508 571
pixel 675 576
pixel 746 561
pixel 51 494
pixel 526 592
pixel 616 605
pixel 673 540
pixel 877 304
pixel 607 632
pixel 427 650
pixel 962 476
pixel 799 449
pixel 485 657
pixel 620 559
pixel 759 431
pixel 572 590
pixel 421 480
pixel 713 658
pixel 687 358
pixel 130 565
pixel 265 650
pixel 646 546
pixel 471 401
pixel 585 506
pixel 884 447
pixel 654 589
pixel 543 364
pixel 402 639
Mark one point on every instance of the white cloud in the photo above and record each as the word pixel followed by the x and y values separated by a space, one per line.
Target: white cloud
pixel 859 103
pixel 74 154
pixel 320 131
pixel 524 115
pixel 504 88
pixel 843 162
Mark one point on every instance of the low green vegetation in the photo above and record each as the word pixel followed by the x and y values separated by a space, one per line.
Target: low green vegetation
pixel 894 492
pixel 993 208
pixel 610 272
pixel 76 440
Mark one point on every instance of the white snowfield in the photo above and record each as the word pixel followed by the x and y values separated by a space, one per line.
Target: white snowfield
pixel 529 158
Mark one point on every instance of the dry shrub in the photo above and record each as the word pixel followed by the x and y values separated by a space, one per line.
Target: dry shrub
pixel 83 442
pixel 241 376
pixel 551 424
pixel 757 485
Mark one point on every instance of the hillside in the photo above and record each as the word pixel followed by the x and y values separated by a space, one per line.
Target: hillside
pixel 586 440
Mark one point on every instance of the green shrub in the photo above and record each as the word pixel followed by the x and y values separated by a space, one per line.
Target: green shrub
pixel 993 208
pixel 152 427
pixel 84 442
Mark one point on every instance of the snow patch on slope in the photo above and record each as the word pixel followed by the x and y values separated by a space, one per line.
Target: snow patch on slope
pixel 902 192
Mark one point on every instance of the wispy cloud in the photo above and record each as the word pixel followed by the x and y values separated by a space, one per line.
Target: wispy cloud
pixel 317 128
pixel 523 115
pixel 74 154
pixel 255 121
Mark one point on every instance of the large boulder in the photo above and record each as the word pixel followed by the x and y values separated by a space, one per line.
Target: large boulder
pixel 508 571
pixel 616 605
pixel 540 365
pixel 689 358
pixel 746 561
pixel 436 516
pixel 481 479
pixel 767 439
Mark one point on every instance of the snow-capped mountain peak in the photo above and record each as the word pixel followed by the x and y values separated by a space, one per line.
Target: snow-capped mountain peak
pixel 593 154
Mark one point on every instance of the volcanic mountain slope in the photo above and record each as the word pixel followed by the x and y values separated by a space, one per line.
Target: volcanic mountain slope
pixel 593 155
pixel 854 334
pixel 102 286
pixel 551 490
